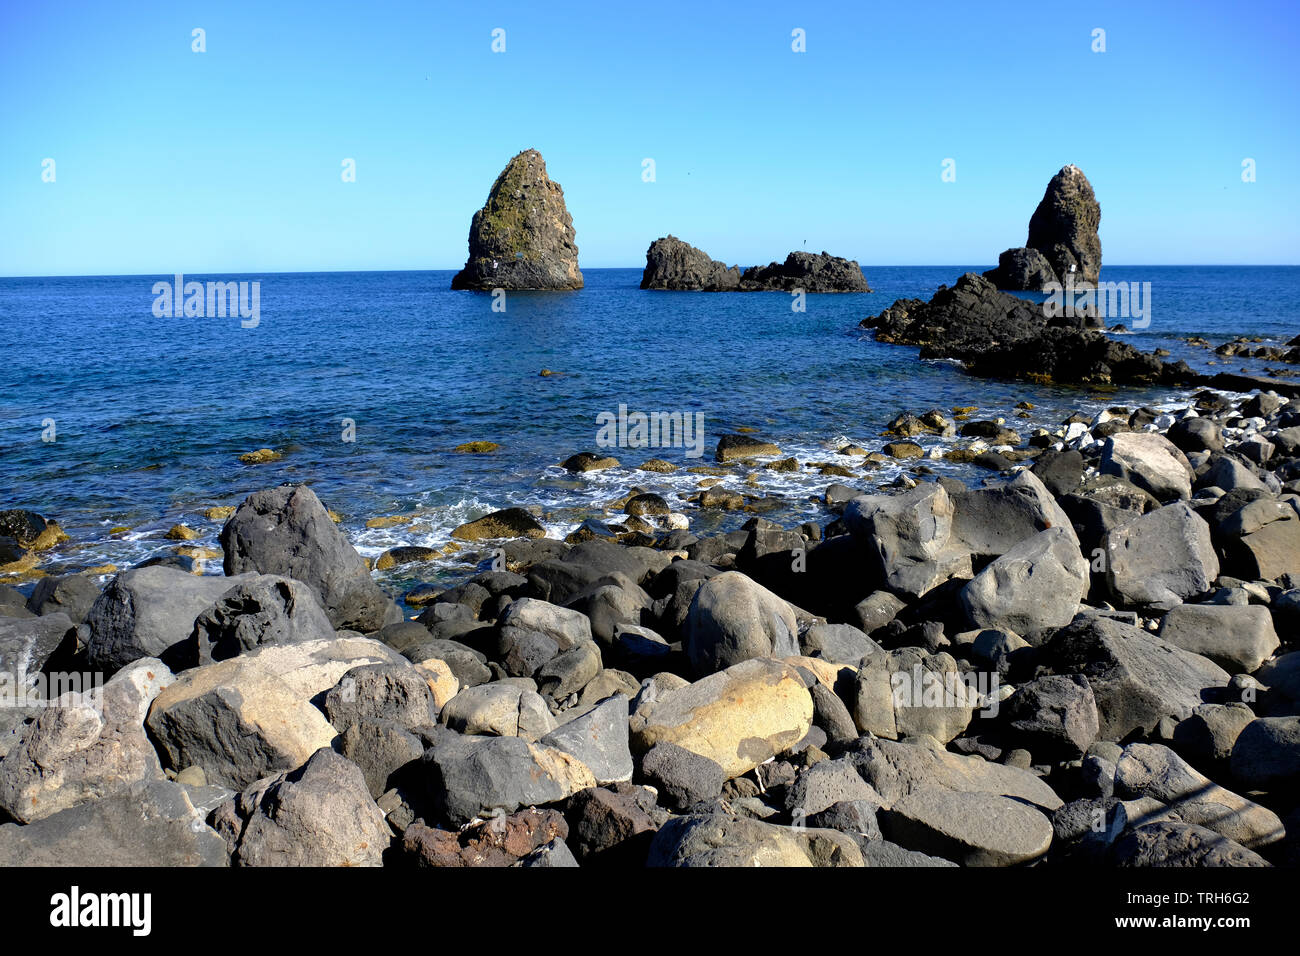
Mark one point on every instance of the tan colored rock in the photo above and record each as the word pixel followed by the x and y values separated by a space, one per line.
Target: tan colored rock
pixel 440 679
pixel 738 717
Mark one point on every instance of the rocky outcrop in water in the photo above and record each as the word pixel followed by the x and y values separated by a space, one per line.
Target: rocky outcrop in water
pixel 999 335
pixel 523 237
pixel 678 266
pixel 1062 241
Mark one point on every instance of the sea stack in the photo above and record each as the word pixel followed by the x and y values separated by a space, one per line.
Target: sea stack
pixel 523 237
pixel 1062 239
pixel 672 264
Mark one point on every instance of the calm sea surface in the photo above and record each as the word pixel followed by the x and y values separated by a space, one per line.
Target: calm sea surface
pixel 151 413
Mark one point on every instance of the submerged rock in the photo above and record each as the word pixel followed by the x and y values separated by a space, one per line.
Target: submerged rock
pixel 523 237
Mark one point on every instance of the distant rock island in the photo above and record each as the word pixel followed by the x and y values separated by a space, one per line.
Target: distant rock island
pixel 523 237
pixel 1062 241
pixel 674 265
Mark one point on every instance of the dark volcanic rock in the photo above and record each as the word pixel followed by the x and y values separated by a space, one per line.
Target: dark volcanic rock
pixel 1064 226
pixel 676 265
pixel 807 271
pixel 673 264
pixel 1022 269
pixel 523 237
pixel 999 335
pixel 287 531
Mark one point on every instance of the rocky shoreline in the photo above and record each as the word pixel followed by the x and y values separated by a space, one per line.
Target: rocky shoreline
pixel 1091 658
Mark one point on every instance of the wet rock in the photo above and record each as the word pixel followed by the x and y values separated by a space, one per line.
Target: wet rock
pixel 507 523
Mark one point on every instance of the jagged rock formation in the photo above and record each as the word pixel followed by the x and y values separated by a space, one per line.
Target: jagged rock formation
pixel 1003 336
pixel 679 266
pixel 1062 237
pixel 676 265
pixel 523 237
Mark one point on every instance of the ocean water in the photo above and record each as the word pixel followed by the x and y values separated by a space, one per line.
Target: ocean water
pixel 151 413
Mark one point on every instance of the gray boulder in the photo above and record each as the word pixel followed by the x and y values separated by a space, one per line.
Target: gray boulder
pixel 973 829
pixel 1239 638
pixel 1160 559
pixel 1035 585
pixel 1136 678
pixel 1169 843
pixel 910 538
pixel 1056 715
pixel 732 619
pixel 287 531
pixel 73 594
pixel 396 692
pixel 1266 754
pixel 263 609
pixel 148 612
pixel 318 815
pixel 152 824
pixel 1149 460
pixel 599 738
pixel 683 778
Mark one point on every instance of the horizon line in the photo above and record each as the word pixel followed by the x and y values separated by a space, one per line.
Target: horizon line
pixel 900 265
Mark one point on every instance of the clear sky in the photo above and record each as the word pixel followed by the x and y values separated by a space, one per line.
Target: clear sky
pixel 230 160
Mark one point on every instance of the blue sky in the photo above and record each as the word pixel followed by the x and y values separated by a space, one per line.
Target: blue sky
pixel 229 160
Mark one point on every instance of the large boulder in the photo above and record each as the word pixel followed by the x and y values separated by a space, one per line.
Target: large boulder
pixel 732 619
pixel 598 738
pixel 910 537
pixel 1155 771
pixel 1064 226
pixel 1055 715
pixel 738 717
pixel 156 823
pixel 1160 559
pixel 263 609
pixel 1239 638
pixel 895 769
pixel 1150 461
pixel 907 692
pixel 1037 584
pixel 73 594
pixel 84 746
pixel 148 612
pixel 499 709
pixel 990 521
pixel 1136 678
pixel 287 531
pixel 1266 754
pixel 321 814
pixel 523 237
pixel 1170 843
pixel 971 828
pixel 1023 270
pixel 475 776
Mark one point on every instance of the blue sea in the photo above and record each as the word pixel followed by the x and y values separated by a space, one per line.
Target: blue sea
pixel 150 414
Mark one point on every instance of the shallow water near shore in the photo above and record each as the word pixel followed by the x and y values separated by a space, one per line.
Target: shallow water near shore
pixel 150 414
